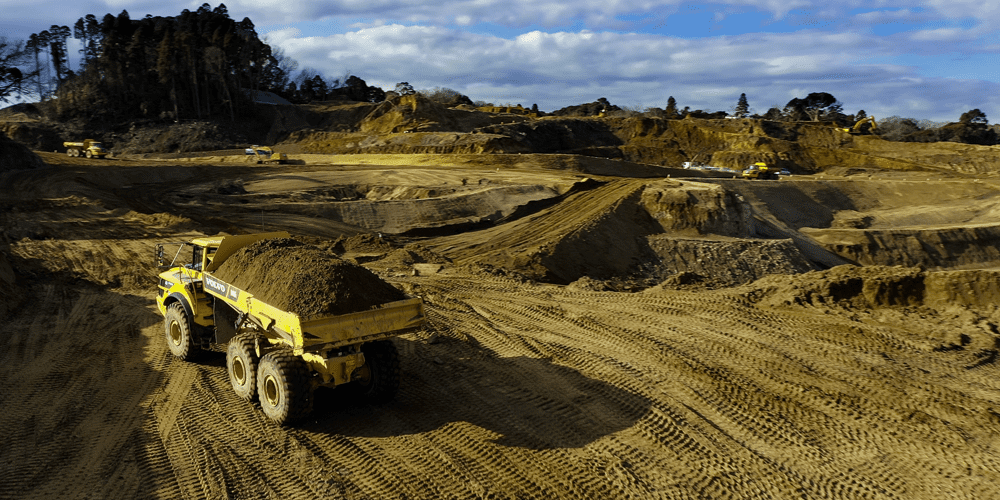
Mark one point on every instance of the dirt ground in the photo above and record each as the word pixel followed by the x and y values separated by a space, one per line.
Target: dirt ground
pixel 593 332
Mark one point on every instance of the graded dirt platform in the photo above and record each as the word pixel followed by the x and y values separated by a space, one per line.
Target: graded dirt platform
pixel 846 383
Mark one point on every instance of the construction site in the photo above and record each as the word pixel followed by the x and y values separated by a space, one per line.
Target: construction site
pixel 597 321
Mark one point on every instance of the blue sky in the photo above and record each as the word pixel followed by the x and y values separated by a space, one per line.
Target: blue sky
pixel 931 59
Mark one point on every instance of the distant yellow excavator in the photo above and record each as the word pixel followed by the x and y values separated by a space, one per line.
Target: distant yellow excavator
pixel 857 128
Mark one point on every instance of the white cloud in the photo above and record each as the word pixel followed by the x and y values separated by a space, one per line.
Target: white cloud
pixel 560 69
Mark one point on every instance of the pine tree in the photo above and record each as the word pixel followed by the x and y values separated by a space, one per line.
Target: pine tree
pixel 671 110
pixel 742 107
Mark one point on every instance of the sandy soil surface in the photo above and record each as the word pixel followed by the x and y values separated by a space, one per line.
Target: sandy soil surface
pixel 589 336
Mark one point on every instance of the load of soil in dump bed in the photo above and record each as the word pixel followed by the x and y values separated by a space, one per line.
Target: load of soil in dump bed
pixel 304 279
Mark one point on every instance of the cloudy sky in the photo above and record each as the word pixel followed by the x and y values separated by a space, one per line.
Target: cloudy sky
pixel 925 59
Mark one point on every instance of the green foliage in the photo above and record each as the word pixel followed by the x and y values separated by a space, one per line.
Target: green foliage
pixel 974 116
pixel 895 128
pixel 671 110
pixel 774 114
pixel 193 65
pixel 446 96
pixel 815 106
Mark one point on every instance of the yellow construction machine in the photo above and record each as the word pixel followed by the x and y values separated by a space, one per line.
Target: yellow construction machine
pixel 265 154
pixel 89 148
pixel 859 127
pixel 760 170
pixel 275 355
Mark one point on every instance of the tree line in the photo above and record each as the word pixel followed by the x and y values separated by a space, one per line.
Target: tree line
pixel 198 64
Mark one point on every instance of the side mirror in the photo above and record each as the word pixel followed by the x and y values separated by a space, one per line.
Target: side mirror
pixel 159 256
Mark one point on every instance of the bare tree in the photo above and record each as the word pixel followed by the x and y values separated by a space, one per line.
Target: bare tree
pixel 11 77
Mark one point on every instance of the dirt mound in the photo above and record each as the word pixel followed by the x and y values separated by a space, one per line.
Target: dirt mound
pixel 413 254
pixel 848 287
pixel 725 262
pixel 416 113
pixel 367 243
pixel 633 230
pixel 313 141
pixel 305 280
pixel 176 138
pixel 590 137
pixel 15 156
pixel 34 135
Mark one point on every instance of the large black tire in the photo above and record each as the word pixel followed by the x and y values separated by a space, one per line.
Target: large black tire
pixel 284 387
pixel 180 335
pixel 378 379
pixel 241 364
pixel 90 154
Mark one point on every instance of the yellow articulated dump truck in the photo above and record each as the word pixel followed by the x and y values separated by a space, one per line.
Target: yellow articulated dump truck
pixel 89 148
pixel 289 330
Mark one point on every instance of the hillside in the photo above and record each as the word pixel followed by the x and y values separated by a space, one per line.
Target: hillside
pixel 414 124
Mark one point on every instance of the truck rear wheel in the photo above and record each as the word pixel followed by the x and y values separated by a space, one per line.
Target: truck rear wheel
pixel 283 386
pixel 180 336
pixel 241 364
pixel 378 379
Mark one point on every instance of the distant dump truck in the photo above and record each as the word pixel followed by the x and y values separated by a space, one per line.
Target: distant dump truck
pixel 760 170
pixel 265 154
pixel 285 337
pixel 89 148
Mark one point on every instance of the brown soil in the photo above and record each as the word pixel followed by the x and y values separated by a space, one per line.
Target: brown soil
pixel 304 280
pixel 592 334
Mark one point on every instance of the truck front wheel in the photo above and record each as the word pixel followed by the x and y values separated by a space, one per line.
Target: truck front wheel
pixel 283 386
pixel 378 380
pixel 241 363
pixel 180 335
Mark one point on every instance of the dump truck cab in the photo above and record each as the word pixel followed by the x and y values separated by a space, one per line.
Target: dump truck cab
pixel 182 282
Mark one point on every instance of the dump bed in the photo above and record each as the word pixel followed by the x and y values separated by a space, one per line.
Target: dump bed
pixel 313 333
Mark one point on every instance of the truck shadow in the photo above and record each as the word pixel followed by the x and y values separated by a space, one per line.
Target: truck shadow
pixel 523 402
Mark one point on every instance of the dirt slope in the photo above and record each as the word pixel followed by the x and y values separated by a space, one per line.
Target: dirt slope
pixel 854 382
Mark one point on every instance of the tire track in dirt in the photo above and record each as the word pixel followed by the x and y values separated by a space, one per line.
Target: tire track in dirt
pixel 785 382
pixel 516 390
pixel 66 425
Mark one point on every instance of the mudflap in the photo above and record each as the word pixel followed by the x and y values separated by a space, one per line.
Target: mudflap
pixel 225 322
